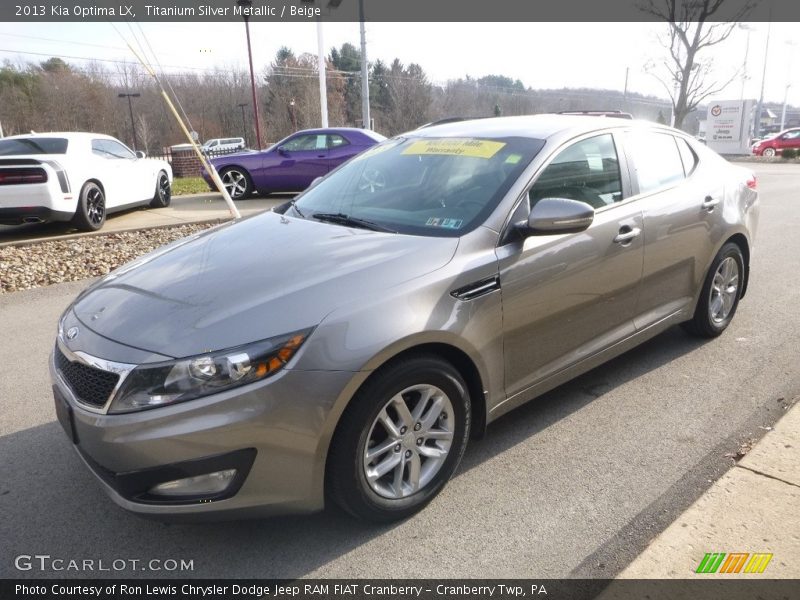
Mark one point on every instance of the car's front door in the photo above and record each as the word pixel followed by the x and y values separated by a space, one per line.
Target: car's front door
pixel 298 162
pixel 568 296
pixel 789 140
pixel 339 150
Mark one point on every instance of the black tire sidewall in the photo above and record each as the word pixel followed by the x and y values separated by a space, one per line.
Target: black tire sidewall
pixel 158 201
pixel 353 492
pixel 81 219
pixel 702 317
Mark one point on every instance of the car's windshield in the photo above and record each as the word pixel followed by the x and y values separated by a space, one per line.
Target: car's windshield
pixel 22 146
pixel 422 186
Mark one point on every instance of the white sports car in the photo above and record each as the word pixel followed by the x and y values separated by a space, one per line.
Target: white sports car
pixel 77 177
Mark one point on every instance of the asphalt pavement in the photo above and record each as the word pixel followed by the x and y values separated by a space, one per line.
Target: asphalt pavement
pixel 576 483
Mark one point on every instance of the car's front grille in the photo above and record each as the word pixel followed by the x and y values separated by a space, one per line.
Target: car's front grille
pixel 91 386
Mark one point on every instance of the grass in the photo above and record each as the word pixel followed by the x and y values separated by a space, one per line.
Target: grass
pixel 189 185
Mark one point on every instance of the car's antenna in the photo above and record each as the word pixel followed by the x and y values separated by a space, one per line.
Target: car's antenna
pixel 203 161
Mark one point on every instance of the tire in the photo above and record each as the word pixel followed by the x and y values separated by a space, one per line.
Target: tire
pixel 720 294
pixel 768 152
pixel 163 194
pixel 443 424
pixel 90 214
pixel 238 182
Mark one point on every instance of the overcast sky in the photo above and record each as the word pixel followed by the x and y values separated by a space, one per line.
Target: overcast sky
pixel 542 55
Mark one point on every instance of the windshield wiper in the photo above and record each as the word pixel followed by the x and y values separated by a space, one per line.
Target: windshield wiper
pixel 293 205
pixel 343 219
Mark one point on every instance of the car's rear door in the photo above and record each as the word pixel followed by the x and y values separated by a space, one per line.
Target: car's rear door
pixel 567 297
pixel 340 150
pixel 681 201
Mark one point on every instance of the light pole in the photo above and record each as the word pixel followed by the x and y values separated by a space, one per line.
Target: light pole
pixel 748 29
pixel 291 113
pixel 364 70
pixel 247 5
pixel 760 107
pixel 791 44
pixel 244 124
pixel 130 111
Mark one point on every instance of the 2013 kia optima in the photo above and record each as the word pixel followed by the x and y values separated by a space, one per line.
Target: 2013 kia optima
pixel 347 345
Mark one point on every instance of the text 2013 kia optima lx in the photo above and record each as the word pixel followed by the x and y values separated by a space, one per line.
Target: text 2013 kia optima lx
pixel 346 346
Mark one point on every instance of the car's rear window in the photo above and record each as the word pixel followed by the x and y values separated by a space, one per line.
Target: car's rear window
pixel 37 145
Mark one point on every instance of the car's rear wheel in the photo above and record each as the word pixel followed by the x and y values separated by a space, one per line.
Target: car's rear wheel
pixel 400 440
pixel 163 194
pixel 91 211
pixel 238 182
pixel 768 152
pixel 720 295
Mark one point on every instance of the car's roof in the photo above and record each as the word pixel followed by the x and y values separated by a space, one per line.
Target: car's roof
pixel 532 126
pixel 70 135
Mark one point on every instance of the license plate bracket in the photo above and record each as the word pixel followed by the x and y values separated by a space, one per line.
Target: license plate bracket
pixel 65 415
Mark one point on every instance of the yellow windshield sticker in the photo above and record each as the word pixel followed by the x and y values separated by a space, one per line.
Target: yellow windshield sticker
pixel 455 147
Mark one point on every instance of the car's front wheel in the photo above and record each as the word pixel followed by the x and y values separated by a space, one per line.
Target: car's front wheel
pixel 238 182
pixel 768 152
pixel 720 294
pixel 400 440
pixel 163 194
pixel 90 213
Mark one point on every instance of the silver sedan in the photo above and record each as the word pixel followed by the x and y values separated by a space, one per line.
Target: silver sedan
pixel 346 346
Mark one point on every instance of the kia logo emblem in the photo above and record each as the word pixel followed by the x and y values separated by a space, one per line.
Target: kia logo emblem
pixel 72 333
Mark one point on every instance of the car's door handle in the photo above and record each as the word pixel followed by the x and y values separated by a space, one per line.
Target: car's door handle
pixel 320 156
pixel 709 202
pixel 627 234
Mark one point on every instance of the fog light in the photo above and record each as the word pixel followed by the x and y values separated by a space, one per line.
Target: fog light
pixel 200 485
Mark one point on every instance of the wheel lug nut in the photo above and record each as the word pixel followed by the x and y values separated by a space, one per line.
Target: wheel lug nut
pixel 408 453
pixel 417 427
pixel 443 416
pixel 397 448
pixel 419 441
pixel 403 430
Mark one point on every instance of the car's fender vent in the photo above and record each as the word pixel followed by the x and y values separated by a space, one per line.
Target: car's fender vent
pixel 91 386
pixel 477 289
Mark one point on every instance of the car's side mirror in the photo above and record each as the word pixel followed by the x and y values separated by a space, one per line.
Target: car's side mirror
pixel 283 151
pixel 314 182
pixel 140 154
pixel 557 215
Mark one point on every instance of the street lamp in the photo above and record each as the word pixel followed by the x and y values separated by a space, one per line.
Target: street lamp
pixel 291 112
pixel 791 44
pixel 244 125
pixel 246 6
pixel 748 29
pixel 130 111
pixel 760 107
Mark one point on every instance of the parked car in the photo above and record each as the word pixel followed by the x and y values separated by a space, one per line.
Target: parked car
pixel 347 345
pixel 291 164
pixel 223 145
pixel 77 177
pixel 772 146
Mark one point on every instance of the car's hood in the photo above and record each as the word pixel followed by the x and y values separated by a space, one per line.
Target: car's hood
pixel 265 276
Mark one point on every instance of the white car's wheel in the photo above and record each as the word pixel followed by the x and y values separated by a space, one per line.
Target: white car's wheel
pixel 163 195
pixel 90 215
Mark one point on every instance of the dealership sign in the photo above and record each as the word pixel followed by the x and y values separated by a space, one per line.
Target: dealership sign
pixel 728 126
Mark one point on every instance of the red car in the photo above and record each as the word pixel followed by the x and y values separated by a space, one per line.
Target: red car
pixel 789 138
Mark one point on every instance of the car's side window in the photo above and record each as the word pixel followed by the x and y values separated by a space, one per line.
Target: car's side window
pixel 688 156
pixel 334 141
pixel 656 159
pixel 587 171
pixel 304 142
pixel 111 149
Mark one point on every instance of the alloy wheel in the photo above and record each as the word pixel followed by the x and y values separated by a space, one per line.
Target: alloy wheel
pixel 724 290
pixel 409 441
pixel 235 182
pixel 95 206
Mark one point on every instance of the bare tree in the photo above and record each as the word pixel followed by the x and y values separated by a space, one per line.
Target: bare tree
pixel 694 26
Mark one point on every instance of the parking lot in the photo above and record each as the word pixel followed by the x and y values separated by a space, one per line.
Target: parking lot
pixel 573 484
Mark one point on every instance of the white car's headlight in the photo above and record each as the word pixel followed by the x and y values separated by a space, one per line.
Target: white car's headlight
pixel 164 383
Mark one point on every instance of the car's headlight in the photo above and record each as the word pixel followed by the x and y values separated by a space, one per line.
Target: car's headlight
pixel 164 383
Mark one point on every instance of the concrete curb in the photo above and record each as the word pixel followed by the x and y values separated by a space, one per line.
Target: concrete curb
pixel 751 509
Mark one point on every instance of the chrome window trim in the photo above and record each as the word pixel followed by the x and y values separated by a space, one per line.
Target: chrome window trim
pixel 121 369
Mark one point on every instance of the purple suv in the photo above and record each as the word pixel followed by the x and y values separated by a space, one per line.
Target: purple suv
pixel 291 164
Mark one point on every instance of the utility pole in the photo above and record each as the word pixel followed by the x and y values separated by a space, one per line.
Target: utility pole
pixel 244 124
pixel 323 88
pixel 791 44
pixel 130 111
pixel 247 5
pixel 364 71
pixel 760 107
pixel 625 91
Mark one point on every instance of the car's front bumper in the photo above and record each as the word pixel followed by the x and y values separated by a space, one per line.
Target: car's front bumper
pixel 282 425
